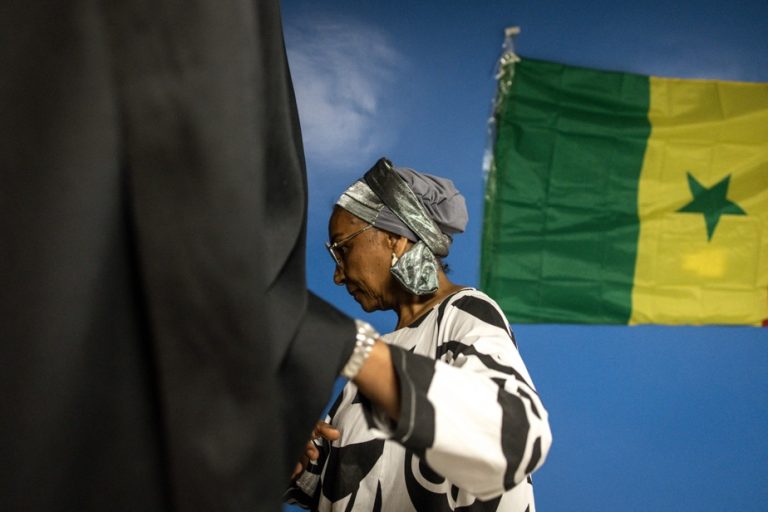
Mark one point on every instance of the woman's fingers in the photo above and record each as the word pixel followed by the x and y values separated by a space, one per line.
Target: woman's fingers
pixel 326 431
pixel 311 451
pixel 297 470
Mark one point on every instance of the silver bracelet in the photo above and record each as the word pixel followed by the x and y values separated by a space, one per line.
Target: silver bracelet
pixel 364 340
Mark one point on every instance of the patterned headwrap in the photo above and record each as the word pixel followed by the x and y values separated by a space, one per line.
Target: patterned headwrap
pixel 425 209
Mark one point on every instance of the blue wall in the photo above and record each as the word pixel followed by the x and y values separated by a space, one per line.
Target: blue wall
pixel 644 418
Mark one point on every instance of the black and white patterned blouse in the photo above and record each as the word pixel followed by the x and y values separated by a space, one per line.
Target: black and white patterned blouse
pixel 471 431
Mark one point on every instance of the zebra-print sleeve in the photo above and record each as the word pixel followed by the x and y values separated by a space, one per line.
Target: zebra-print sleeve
pixel 473 414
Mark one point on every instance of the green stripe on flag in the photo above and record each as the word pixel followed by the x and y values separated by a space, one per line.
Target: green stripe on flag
pixel 561 220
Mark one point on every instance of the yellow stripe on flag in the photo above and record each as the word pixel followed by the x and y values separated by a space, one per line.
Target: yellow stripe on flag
pixel 703 204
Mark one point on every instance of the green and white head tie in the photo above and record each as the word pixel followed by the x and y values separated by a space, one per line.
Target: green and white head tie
pixel 424 208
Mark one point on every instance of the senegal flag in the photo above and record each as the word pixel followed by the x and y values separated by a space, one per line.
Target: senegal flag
pixel 617 198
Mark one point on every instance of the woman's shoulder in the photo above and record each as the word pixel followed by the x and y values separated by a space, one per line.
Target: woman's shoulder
pixel 469 296
pixel 477 304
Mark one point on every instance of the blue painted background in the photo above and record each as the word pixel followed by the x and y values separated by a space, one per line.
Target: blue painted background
pixel 644 418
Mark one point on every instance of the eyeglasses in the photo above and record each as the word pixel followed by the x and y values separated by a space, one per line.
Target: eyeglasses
pixel 333 247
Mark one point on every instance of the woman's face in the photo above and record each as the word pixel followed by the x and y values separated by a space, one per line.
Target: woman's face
pixel 364 261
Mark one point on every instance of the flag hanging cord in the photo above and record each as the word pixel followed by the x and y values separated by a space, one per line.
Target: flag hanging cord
pixel 508 56
pixel 508 48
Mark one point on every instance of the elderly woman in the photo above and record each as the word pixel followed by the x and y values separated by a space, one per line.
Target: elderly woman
pixel 439 414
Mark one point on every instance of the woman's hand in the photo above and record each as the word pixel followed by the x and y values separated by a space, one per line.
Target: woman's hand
pixel 311 453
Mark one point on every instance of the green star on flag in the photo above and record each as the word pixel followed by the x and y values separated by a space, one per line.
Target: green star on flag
pixel 712 202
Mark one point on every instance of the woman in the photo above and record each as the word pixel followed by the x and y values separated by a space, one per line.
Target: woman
pixel 439 414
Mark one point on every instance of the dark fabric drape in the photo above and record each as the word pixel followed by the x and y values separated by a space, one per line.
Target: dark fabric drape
pixel 159 348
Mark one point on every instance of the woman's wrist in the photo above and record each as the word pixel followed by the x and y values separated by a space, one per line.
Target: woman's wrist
pixel 364 340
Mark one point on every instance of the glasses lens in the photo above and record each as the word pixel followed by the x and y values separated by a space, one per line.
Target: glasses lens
pixel 333 247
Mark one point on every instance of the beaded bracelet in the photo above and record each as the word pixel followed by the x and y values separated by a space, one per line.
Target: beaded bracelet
pixel 364 340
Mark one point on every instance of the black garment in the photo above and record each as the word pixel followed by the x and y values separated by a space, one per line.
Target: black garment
pixel 157 334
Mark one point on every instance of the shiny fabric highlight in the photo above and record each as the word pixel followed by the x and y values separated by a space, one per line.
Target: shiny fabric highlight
pixel 395 193
pixel 416 270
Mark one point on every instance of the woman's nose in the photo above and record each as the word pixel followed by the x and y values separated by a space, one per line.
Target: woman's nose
pixel 338 275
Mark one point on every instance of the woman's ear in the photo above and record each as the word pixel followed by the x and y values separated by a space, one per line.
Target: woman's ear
pixel 399 245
